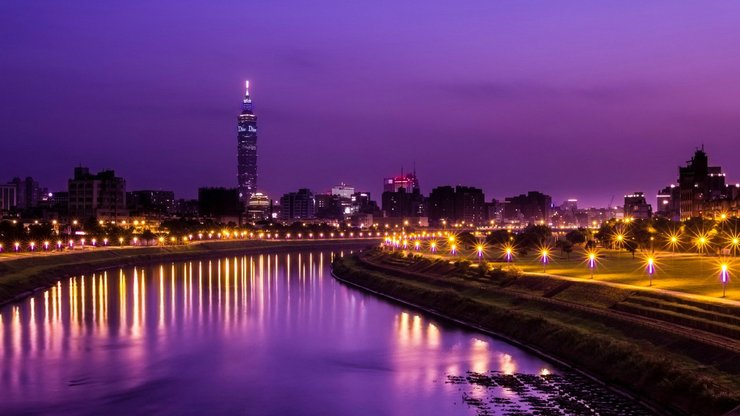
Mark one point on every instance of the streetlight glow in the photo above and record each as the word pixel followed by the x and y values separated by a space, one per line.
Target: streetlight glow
pixel 650 268
pixel 591 260
pixel 545 258
pixel 724 276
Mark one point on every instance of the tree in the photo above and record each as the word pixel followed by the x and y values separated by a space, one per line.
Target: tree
pixel 577 236
pixel 533 236
pixel 499 237
pixel 631 246
pixel 565 247
pixel 605 233
pixel 147 236
pixel 466 240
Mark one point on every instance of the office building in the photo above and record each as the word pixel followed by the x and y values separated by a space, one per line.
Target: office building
pixel 343 191
pixel 247 149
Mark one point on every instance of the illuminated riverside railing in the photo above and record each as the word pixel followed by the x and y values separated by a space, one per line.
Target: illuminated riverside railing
pixel 83 243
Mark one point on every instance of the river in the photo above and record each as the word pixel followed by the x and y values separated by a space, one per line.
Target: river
pixel 271 334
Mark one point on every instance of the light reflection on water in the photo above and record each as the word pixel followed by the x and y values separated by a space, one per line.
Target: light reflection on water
pixel 263 334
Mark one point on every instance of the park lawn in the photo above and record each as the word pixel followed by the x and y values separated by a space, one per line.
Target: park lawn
pixel 689 273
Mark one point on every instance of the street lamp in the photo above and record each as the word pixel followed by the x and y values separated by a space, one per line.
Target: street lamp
pixel 544 256
pixel 592 262
pixel 650 268
pixel 674 240
pixel 701 241
pixel 724 276
pixel 509 252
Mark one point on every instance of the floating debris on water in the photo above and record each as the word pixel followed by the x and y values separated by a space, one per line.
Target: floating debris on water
pixel 497 393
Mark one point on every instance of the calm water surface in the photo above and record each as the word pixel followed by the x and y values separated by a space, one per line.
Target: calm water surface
pixel 256 335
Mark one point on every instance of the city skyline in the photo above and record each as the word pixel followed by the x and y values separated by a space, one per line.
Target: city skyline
pixel 368 103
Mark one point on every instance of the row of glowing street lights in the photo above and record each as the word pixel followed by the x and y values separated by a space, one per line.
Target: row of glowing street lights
pixel 544 256
pixel 105 242
pixel 701 241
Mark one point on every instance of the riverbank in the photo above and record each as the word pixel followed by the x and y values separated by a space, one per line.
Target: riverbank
pixel 683 372
pixel 21 277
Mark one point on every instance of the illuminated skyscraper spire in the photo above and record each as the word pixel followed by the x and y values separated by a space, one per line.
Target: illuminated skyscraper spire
pixel 247 103
pixel 247 148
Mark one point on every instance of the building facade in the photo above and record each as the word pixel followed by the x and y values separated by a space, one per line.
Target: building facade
pixel 669 203
pixel 636 206
pixel 701 186
pixel 8 197
pixel 247 149
pixel 223 204
pixel 403 204
pixel 259 207
pixel 101 196
pixel 409 182
pixel 530 208
pixel 150 202
pixel 299 205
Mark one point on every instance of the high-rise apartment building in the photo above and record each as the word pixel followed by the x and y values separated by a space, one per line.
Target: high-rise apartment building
pixel 247 149
pixel 8 197
pixel 461 204
pixel 530 208
pixel 101 196
pixel 299 205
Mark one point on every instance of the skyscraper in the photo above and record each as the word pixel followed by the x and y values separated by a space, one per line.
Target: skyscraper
pixel 247 149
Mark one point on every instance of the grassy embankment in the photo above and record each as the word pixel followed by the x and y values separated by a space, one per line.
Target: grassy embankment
pixel 683 272
pixel 18 277
pixel 573 322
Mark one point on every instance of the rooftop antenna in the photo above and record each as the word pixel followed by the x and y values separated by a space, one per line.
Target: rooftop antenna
pixel 247 99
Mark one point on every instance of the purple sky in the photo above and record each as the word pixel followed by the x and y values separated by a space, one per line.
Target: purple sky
pixel 577 99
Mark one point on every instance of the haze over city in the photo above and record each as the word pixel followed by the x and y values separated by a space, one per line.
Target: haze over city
pixel 580 100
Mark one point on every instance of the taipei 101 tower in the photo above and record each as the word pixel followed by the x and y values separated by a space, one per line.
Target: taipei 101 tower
pixel 247 149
